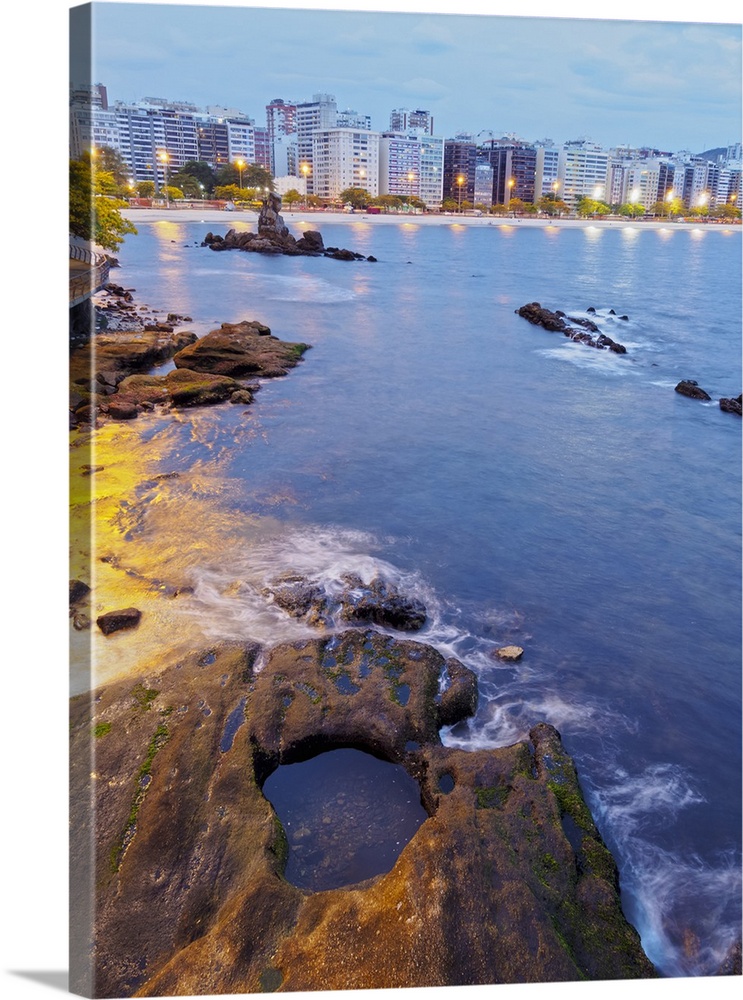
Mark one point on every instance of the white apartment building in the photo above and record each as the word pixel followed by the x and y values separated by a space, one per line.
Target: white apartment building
pixel 431 188
pixel 344 158
pixel 404 120
pixel 547 179
pixel 640 183
pixel 317 115
pixel 412 165
pixel 352 119
pixel 583 172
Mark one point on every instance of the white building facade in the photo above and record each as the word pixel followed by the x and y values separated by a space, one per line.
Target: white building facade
pixel 344 158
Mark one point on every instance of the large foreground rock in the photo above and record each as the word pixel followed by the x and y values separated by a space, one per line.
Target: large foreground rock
pixel 239 350
pixel 506 881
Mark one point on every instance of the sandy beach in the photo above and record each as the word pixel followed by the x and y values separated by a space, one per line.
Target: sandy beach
pixel 318 219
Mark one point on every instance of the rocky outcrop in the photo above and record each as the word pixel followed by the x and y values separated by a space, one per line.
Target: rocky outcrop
pixel 378 602
pixel 110 381
pixel 731 405
pixel 273 237
pixel 690 388
pixel 240 350
pixel 507 880
pixel 575 327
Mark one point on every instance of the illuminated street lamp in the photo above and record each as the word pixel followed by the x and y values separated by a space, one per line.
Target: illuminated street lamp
pixel 305 168
pixel 460 182
pixel 163 157
pixel 240 164
pixel 411 178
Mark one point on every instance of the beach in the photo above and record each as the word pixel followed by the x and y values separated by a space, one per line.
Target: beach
pixel 323 218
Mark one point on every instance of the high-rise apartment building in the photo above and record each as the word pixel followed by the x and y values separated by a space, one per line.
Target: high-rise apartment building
pixel 352 119
pixel 460 161
pixel 583 169
pixel 344 158
pixel 404 120
pixel 281 120
pixel 317 115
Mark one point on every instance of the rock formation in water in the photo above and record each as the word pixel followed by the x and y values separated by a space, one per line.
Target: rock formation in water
pixel 273 237
pixel 731 405
pixel 688 387
pixel 558 322
pixel 507 881
pixel 378 602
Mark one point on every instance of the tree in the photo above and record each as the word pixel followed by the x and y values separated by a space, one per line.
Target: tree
pixel 201 172
pixel 146 189
pixel 516 205
pixel 110 161
pixel 356 197
pixel 251 176
pixel 632 209
pixel 388 202
pixel 291 197
pixel 174 193
pixel 587 207
pixel 94 209
pixel 449 205
pixel 551 205
pixel 188 184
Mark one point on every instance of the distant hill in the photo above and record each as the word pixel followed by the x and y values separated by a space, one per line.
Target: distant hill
pixel 712 154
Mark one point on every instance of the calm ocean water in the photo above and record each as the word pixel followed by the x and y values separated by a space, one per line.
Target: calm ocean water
pixel 529 489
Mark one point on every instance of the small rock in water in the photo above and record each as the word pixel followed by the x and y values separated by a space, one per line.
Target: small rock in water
pixel 731 405
pixel 688 387
pixel 509 653
pixel 78 590
pixel 114 621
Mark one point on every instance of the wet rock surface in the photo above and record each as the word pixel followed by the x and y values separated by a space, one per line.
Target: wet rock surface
pixel 575 327
pixel 188 860
pixel 239 350
pixel 688 387
pixel 731 405
pixel 114 381
pixel 378 602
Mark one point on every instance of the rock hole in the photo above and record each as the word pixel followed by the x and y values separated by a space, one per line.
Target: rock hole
pixel 346 815
pixel 446 783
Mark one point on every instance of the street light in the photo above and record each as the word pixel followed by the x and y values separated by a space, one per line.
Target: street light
pixel 411 178
pixel 305 168
pixel 163 156
pixel 240 164
pixel 460 182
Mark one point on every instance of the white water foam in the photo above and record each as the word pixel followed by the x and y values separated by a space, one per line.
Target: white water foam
pixel 686 909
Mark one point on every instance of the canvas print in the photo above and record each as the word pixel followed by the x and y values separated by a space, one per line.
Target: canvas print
pixel 405 496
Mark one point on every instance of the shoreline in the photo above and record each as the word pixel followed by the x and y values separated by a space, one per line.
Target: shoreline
pixel 319 218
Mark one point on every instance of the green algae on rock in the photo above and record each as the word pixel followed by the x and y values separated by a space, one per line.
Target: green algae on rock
pixel 507 880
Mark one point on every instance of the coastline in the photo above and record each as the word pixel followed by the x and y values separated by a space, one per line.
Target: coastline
pixel 317 219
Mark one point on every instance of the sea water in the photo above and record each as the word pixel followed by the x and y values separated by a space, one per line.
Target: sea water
pixel 528 489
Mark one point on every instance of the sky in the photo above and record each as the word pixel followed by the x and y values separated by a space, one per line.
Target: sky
pixel 669 85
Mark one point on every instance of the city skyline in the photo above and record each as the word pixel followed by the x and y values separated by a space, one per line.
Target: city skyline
pixel 666 85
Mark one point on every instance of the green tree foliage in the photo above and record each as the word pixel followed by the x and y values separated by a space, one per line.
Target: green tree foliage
pixel 187 183
pixel 94 208
pixel 201 172
pixel 291 197
pixel 110 161
pixel 253 176
pixel 146 189
pixel 631 209
pixel 388 202
pixel 356 197
pixel 449 205
pixel 588 207
pixel 550 204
